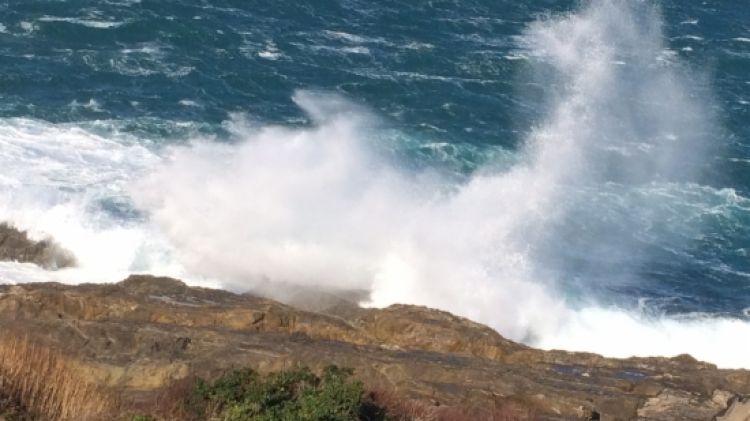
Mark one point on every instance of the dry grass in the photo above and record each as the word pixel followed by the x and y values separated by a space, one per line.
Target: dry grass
pixel 47 385
pixel 44 384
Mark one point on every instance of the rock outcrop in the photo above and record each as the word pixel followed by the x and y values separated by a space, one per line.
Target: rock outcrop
pixel 16 246
pixel 141 335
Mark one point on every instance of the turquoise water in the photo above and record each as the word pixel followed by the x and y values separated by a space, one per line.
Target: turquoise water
pixel 498 159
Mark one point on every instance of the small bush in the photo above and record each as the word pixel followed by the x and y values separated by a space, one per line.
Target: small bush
pixel 301 395
pixel 298 395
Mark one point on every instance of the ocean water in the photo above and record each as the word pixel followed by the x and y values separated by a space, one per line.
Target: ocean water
pixel 573 174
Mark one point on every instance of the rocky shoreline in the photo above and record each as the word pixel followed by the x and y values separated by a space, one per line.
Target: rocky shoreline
pixel 132 341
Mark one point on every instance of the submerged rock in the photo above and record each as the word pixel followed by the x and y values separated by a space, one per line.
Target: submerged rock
pixel 142 335
pixel 16 246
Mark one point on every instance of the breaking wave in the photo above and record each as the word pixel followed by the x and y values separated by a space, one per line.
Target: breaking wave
pixel 609 177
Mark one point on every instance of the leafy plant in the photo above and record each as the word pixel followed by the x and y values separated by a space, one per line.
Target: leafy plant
pixel 297 395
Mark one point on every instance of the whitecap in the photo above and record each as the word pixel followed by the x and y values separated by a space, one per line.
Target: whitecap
pixel 353 38
pixel 148 48
pixel 269 55
pixel 144 60
pixel 270 52
pixel 356 50
pixel 179 71
pixel 98 24
pixel 28 27
pixel 91 104
pixel 345 36
pixel 415 45
pixel 342 50
pixel 516 56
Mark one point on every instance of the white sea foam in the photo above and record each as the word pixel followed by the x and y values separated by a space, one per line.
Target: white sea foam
pixel 618 333
pixel 148 58
pixel 320 206
pixel 91 23
pixel 354 39
pixel 28 27
pixel 691 37
pixel 188 103
pixel 92 105
pixel 269 54
pixel 315 207
pixel 416 45
pixel 346 36
pixel 342 50
pixel 54 179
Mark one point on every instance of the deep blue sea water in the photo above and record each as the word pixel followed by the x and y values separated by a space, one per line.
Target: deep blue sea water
pixel 557 169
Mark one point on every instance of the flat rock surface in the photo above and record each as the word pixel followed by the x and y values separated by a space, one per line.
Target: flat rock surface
pixel 142 334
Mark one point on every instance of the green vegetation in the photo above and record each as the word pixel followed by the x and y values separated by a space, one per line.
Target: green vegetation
pixel 299 395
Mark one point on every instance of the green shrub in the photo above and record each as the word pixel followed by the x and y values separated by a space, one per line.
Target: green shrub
pixel 298 395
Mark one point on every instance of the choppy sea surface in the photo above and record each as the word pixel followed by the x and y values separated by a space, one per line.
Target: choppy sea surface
pixel 574 174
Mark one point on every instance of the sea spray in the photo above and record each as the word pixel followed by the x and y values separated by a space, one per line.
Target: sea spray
pixel 316 207
pixel 65 182
pixel 584 240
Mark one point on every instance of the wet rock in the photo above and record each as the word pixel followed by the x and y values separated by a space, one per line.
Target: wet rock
pixel 16 246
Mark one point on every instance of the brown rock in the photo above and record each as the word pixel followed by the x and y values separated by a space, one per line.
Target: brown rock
pixel 413 327
pixel 673 404
pixel 144 333
pixel 739 410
